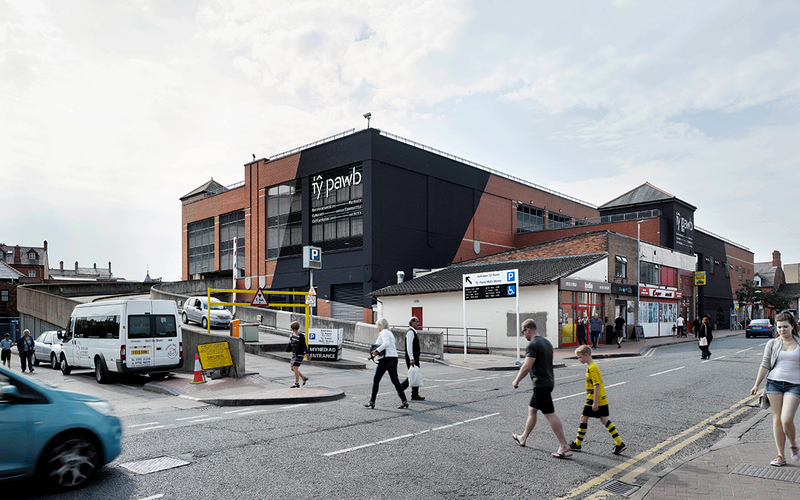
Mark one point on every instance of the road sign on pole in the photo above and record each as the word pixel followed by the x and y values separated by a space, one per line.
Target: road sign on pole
pixel 259 299
pixel 490 285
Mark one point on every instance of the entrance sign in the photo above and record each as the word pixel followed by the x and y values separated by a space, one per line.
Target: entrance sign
pixel 325 343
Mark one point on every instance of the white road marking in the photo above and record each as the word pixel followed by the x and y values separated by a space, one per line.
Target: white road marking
pixel 154 497
pixel 743 350
pixel 240 410
pixel 252 411
pixel 367 445
pixel 294 406
pixel 706 361
pixel 203 420
pixel 142 425
pixel 672 370
pixel 196 417
pixel 151 428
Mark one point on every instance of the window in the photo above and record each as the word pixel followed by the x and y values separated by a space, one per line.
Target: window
pixel 97 327
pixel 620 267
pixel 727 269
pixel 231 226
pixel 739 269
pixel 649 273
pixel 151 325
pixel 529 218
pixel 31 274
pixel 284 220
pixel 711 265
pixel 32 255
pixel 201 246
pixel 337 220
pixel 757 281
pixel 556 221
pixel 4 295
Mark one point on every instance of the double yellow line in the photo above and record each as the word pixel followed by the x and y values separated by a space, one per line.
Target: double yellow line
pixel 657 456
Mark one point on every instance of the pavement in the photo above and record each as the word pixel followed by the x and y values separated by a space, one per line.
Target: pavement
pixel 736 467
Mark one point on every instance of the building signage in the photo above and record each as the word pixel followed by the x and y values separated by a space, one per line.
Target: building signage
pixel 700 278
pixel 684 231
pixel 623 289
pixel 328 204
pixel 659 293
pixel 325 186
pixel 584 286
pixel 490 285
pixel 325 343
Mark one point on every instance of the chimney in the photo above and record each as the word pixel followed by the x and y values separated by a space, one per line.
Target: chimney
pixel 17 257
pixel 45 245
pixel 61 266
pixel 776 258
pixel 109 268
pixel 76 266
pixel 400 276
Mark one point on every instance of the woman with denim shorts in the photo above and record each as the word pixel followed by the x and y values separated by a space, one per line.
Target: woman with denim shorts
pixel 781 366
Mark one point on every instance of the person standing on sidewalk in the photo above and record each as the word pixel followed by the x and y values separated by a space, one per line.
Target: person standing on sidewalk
pixel 298 343
pixel 596 402
pixel 781 366
pixel 386 363
pixel 705 333
pixel 595 329
pixel 582 331
pixel 619 329
pixel 25 346
pixel 680 325
pixel 5 346
pixel 412 354
pixel 539 363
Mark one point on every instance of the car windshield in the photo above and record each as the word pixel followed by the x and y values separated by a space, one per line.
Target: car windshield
pixel 216 307
pixel 760 322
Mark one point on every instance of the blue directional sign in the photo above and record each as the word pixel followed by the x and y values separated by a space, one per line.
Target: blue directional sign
pixel 490 285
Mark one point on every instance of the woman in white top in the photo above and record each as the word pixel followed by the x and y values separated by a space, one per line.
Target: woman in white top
pixel 387 361
pixel 781 366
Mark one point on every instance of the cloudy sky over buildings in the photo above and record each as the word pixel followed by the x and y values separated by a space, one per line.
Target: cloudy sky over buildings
pixel 111 111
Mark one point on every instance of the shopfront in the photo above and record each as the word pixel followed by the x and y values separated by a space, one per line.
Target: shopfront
pixel 658 311
pixel 579 299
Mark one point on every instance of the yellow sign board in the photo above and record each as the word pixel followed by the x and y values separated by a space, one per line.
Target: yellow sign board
pixel 214 355
pixel 700 278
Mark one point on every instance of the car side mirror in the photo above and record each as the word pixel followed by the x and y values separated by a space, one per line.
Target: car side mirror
pixel 60 335
pixel 9 392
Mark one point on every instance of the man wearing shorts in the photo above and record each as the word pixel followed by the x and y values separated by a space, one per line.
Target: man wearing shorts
pixel 539 363
pixel 6 344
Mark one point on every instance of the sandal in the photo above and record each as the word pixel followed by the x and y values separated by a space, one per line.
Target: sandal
pixel 371 404
pixel 294 386
pixel 403 405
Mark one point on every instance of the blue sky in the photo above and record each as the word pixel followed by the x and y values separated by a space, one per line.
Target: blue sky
pixel 111 111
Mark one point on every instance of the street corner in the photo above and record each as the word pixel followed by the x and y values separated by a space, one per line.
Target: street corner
pixel 182 384
pixel 287 395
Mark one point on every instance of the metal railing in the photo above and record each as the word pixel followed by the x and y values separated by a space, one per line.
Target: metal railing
pixel 453 337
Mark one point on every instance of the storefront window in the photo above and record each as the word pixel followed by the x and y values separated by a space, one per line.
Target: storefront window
pixel 574 306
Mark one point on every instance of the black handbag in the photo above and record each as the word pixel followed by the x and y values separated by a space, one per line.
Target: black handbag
pixel 373 348
pixel 288 347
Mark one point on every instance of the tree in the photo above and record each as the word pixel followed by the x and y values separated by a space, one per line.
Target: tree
pixel 749 293
pixel 776 300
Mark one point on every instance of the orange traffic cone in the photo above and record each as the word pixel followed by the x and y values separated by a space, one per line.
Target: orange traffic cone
pixel 198 371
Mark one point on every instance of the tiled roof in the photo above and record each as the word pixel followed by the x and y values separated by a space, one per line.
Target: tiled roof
pixel 8 255
pixel 531 272
pixel 211 187
pixel 646 193
pixel 9 273
pixel 577 244
pixel 790 290
pixel 767 272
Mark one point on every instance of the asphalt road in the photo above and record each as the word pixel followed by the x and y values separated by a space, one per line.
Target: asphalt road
pixel 667 406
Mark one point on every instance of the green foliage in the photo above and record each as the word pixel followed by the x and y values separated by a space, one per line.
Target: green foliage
pixel 749 293
pixel 776 300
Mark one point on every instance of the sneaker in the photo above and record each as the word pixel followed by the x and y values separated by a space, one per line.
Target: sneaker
pixel 778 462
pixel 619 449
pixel 574 447
pixel 417 398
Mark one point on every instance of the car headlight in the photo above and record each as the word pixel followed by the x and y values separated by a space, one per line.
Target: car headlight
pixel 101 407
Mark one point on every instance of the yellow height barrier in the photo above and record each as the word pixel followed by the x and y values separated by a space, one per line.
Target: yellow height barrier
pixel 265 292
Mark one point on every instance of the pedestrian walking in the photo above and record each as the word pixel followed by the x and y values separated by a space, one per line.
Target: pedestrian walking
pixel 582 331
pixel 25 346
pixel 781 366
pixel 386 352
pixel 595 329
pixel 696 327
pixel 705 337
pixel 680 324
pixel 539 363
pixel 412 354
pixel 596 402
pixel 298 343
pixel 5 350
pixel 619 329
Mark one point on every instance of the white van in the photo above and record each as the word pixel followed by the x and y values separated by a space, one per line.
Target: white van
pixel 123 336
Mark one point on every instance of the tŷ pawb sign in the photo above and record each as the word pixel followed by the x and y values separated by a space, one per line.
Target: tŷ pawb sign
pixel 325 343
pixel 490 285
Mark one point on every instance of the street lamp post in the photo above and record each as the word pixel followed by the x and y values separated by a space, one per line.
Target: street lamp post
pixel 638 272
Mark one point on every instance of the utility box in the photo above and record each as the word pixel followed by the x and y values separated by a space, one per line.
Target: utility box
pixel 249 332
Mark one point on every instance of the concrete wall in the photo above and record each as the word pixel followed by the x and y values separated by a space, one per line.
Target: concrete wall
pixel 92 288
pixel 192 338
pixel 51 310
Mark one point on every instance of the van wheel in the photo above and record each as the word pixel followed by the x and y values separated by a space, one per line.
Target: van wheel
pixel 53 362
pixel 100 373
pixel 185 319
pixel 65 368
pixel 204 323
pixel 157 376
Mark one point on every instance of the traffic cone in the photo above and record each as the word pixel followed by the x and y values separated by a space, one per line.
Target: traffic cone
pixel 198 371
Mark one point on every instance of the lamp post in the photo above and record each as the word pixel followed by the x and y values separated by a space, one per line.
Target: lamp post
pixel 638 272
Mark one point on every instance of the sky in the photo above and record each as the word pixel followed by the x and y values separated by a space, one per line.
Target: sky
pixel 111 111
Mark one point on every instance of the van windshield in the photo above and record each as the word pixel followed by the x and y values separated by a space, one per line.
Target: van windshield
pixel 151 325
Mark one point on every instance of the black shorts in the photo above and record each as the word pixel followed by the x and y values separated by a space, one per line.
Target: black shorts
pixel 602 411
pixel 542 400
pixel 6 355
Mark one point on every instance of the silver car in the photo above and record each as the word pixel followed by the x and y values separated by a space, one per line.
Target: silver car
pixel 196 309
pixel 48 349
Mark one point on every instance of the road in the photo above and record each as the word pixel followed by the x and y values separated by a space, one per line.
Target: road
pixel 667 406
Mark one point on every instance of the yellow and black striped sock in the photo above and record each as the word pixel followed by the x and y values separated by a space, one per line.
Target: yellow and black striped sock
pixel 614 434
pixel 581 433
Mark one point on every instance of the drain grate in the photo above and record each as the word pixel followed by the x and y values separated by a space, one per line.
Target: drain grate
pixel 153 465
pixel 776 473
pixel 618 487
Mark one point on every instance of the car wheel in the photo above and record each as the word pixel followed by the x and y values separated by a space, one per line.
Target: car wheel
pixel 747 335
pixel 35 360
pixel 69 462
pixel 53 362
pixel 100 373
pixel 204 322
pixel 185 318
pixel 65 368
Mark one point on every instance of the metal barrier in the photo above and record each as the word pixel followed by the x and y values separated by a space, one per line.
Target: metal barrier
pixel 453 338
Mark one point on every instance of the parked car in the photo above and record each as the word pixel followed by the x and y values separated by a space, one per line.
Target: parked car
pixel 196 309
pixel 58 438
pixel 48 349
pixel 758 327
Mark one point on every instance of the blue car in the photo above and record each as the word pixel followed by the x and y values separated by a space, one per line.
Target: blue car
pixel 759 327
pixel 57 437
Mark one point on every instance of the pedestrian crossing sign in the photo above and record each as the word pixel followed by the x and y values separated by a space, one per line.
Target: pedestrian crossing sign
pixel 259 299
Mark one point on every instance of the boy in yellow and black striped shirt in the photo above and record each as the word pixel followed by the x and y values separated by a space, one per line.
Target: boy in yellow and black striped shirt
pixel 596 402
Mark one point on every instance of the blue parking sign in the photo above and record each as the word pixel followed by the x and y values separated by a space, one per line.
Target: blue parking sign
pixel 512 290
pixel 511 276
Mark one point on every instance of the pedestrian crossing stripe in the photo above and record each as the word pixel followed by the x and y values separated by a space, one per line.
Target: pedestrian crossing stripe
pixel 259 299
